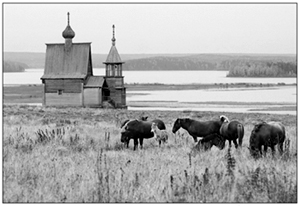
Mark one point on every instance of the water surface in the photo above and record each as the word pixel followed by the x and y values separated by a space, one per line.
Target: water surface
pixel 32 76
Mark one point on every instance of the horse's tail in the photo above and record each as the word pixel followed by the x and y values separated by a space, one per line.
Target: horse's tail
pixel 240 133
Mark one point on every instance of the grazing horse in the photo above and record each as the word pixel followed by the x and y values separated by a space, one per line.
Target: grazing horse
pixel 159 135
pixel 208 141
pixel 142 118
pixel 232 130
pixel 267 135
pixel 196 128
pixel 139 130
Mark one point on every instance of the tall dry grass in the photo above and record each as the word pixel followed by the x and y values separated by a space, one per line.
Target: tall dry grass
pixel 75 155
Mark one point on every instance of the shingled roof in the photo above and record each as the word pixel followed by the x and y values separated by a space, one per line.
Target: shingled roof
pixel 73 63
pixel 113 56
pixel 96 81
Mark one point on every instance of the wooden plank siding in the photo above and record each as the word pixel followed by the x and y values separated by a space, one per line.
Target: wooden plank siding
pixel 66 85
pixel 118 96
pixel 92 96
pixel 115 82
pixel 65 99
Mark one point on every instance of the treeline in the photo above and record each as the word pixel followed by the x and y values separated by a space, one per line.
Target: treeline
pixel 238 65
pixel 168 63
pixel 264 69
pixel 210 62
pixel 10 66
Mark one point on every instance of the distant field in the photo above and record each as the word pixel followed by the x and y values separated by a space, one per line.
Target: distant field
pixel 80 159
pixel 33 93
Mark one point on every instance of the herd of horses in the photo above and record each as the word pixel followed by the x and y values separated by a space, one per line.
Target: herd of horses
pixel 208 133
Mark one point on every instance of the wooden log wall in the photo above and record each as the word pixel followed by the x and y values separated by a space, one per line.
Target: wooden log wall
pixel 115 82
pixel 92 96
pixel 65 99
pixel 66 85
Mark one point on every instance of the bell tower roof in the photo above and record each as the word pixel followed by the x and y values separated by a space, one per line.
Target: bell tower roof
pixel 113 56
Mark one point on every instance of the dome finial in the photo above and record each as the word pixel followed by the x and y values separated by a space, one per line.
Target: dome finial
pixel 113 39
pixel 68 33
pixel 68 18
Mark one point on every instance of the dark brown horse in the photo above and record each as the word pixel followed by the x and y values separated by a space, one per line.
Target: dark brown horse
pixel 139 130
pixel 212 140
pixel 196 128
pixel 267 135
pixel 142 118
pixel 232 130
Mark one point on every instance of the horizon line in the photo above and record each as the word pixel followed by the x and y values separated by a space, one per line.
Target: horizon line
pixel 235 53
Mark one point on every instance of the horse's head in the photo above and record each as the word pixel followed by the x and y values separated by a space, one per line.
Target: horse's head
pixel 126 130
pixel 223 118
pixel 177 125
pixel 143 118
pixel 124 137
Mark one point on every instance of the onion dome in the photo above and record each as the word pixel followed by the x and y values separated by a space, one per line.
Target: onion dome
pixel 68 33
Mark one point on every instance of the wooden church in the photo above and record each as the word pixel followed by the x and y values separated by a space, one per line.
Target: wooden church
pixel 68 78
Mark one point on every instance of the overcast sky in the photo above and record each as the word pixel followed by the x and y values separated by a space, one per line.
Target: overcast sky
pixel 154 28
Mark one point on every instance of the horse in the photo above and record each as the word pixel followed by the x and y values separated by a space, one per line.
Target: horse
pixel 196 128
pixel 159 135
pixel 210 140
pixel 232 130
pixel 142 118
pixel 139 130
pixel 267 134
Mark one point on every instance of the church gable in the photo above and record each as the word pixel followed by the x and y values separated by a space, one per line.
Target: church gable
pixel 72 63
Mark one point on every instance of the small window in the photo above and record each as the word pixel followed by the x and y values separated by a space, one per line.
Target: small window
pixel 59 92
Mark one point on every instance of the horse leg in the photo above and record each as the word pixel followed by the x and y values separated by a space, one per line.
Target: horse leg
pixel 141 142
pixel 229 143
pixel 240 132
pixel 259 150
pixel 235 143
pixel 135 143
pixel 265 149
pixel 280 148
pixel 273 150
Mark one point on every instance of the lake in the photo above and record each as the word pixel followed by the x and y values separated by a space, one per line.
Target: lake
pixel 32 76
pixel 271 96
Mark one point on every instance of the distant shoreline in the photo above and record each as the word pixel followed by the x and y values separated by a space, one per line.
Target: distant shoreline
pixel 160 86
pixel 33 94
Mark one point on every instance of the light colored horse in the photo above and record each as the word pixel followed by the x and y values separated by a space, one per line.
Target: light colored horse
pixel 159 135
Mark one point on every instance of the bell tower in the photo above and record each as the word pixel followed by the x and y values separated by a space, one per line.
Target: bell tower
pixel 114 76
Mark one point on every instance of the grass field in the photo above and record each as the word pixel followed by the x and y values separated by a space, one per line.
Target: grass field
pixel 75 155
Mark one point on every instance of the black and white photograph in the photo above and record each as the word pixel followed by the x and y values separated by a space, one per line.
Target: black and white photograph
pixel 149 102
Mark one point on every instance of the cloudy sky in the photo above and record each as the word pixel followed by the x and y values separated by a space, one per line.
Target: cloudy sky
pixel 154 28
